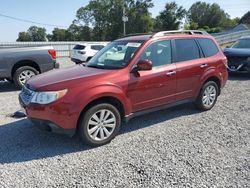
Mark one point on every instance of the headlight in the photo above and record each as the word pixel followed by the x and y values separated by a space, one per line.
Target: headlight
pixel 47 97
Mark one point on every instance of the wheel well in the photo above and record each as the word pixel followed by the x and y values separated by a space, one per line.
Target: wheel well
pixel 216 80
pixel 25 63
pixel 111 100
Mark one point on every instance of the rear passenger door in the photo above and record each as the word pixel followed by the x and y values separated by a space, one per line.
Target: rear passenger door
pixel 190 66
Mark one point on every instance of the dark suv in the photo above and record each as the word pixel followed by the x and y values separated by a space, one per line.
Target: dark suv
pixel 130 76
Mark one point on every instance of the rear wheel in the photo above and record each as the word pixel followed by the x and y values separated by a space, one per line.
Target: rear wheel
pixel 22 74
pixel 100 124
pixel 208 96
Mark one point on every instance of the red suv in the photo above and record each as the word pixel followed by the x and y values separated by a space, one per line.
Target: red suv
pixel 130 76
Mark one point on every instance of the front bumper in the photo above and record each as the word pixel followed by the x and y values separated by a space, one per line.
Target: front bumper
pixel 53 117
pixel 238 64
pixel 49 126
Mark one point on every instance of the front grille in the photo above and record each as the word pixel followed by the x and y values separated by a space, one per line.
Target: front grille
pixel 26 95
pixel 235 61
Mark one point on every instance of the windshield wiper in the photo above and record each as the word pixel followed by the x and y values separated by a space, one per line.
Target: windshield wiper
pixel 95 66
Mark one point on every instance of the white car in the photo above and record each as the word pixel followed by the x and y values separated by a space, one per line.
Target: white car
pixel 85 51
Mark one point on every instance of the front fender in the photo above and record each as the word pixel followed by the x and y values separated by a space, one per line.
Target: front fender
pixel 108 90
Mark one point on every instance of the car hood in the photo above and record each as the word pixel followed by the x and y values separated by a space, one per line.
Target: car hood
pixel 64 78
pixel 239 52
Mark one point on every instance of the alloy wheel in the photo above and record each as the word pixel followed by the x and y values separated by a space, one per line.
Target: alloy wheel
pixel 209 96
pixel 25 75
pixel 101 125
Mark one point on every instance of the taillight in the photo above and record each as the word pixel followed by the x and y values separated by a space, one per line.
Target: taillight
pixel 52 53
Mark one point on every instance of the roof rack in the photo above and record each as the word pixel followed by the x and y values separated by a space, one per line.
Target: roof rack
pixel 190 32
pixel 136 34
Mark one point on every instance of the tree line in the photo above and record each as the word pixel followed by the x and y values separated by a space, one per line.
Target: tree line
pixel 101 20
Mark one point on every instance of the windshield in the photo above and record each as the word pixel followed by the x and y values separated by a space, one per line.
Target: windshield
pixel 116 55
pixel 242 43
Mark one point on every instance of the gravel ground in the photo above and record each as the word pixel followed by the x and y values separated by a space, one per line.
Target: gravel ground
pixel 178 147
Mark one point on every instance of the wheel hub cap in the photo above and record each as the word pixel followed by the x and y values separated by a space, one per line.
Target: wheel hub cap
pixel 25 75
pixel 101 125
pixel 209 96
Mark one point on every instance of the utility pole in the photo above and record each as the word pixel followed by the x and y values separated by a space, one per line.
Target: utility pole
pixel 124 19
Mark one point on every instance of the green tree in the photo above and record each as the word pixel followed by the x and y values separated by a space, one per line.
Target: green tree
pixel 23 37
pixel 58 35
pixel 105 16
pixel 230 23
pixel 235 21
pixel 170 18
pixel 79 33
pixel 37 33
pixel 139 17
pixel 245 18
pixel 34 33
pixel 205 14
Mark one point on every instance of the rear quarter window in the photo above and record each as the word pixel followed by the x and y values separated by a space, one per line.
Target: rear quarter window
pixel 208 47
pixel 79 47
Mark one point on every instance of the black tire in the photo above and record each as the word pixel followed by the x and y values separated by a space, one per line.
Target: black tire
pixel 19 71
pixel 83 126
pixel 199 101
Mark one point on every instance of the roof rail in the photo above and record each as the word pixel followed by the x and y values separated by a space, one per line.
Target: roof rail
pixel 136 34
pixel 190 32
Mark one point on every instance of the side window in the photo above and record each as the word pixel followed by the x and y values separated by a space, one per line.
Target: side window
pixel 97 47
pixel 186 49
pixel 208 47
pixel 160 53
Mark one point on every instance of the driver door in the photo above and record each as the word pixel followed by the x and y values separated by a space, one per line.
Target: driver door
pixel 155 87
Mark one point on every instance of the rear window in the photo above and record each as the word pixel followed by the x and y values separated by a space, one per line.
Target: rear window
pixel 186 49
pixel 208 47
pixel 79 47
pixel 97 47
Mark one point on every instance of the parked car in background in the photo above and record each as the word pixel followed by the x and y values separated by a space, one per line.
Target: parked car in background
pixel 20 64
pixel 238 55
pixel 129 77
pixel 84 52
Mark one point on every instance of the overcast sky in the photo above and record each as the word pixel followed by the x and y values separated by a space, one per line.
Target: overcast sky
pixel 62 12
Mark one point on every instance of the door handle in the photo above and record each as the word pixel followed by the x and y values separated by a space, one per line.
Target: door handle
pixel 204 66
pixel 170 73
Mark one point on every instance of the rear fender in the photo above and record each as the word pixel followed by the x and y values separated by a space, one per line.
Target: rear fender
pixel 209 73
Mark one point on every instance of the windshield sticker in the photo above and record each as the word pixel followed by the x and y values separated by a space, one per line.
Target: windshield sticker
pixel 133 44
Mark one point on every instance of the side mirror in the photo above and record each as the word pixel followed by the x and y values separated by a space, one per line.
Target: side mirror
pixel 144 65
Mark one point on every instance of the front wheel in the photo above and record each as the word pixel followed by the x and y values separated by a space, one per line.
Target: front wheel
pixel 100 124
pixel 22 74
pixel 208 96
